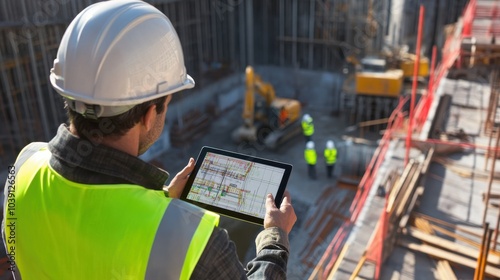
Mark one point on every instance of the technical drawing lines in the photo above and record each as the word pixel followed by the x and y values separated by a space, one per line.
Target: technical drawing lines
pixel 235 184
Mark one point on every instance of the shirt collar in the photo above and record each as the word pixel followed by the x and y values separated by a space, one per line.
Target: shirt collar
pixel 104 161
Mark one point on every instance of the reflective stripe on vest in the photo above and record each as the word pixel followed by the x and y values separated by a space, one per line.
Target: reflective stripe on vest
pixel 66 229
pixel 183 247
pixel 310 156
pixel 330 156
pixel 9 243
pixel 308 128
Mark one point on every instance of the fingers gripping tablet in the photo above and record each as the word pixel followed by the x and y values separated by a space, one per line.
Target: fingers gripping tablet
pixel 235 185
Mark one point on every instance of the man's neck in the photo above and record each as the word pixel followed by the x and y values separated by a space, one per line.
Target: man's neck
pixel 128 143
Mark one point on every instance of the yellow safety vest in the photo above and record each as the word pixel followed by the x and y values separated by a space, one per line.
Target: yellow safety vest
pixel 308 128
pixel 59 229
pixel 330 156
pixel 310 156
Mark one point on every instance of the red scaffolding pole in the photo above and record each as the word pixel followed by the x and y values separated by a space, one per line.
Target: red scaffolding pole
pixel 416 69
pixel 426 100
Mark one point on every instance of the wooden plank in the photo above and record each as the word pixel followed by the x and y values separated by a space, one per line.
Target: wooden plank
pixel 428 160
pixel 456 236
pixel 440 148
pixel 403 202
pixel 492 195
pixel 445 271
pixel 339 259
pixel 450 245
pixel 447 224
pixel 373 122
pixel 358 268
pixel 397 188
pixel 464 171
pixel 443 267
pixel 406 217
pixel 446 255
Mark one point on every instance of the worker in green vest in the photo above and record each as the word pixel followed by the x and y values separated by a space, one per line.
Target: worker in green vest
pixel 307 127
pixel 311 158
pixel 330 154
pixel 84 206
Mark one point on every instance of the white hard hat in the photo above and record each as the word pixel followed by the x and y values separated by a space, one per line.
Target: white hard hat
pixel 330 144
pixel 307 118
pixel 310 145
pixel 117 54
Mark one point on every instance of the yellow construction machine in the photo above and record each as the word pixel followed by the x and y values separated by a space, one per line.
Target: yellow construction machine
pixel 384 76
pixel 373 78
pixel 267 119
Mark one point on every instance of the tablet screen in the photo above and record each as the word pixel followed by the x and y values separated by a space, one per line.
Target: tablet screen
pixel 234 184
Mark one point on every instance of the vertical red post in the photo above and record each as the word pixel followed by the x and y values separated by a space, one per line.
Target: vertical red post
pixel 433 69
pixel 416 69
pixel 430 90
pixel 382 235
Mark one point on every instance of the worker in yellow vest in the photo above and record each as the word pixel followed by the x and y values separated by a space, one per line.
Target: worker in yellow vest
pixel 84 206
pixel 330 154
pixel 307 127
pixel 311 158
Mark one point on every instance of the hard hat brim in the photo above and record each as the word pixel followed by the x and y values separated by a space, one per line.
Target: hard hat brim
pixel 187 84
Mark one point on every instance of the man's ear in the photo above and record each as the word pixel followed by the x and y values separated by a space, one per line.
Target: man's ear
pixel 148 119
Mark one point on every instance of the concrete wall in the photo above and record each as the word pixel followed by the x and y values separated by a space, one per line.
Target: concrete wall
pixel 314 89
pixel 404 16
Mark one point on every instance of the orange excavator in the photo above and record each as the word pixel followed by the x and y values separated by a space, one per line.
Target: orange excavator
pixel 267 119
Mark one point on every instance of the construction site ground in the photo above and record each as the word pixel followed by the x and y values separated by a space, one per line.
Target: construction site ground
pixel 305 193
pixel 453 191
pixel 435 224
pixel 454 185
pixel 457 179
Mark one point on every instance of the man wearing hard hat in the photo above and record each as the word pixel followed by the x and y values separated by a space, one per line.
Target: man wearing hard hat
pixel 330 154
pixel 311 157
pixel 307 127
pixel 84 206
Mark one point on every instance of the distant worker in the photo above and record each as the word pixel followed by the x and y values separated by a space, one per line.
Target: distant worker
pixel 86 207
pixel 311 158
pixel 330 154
pixel 283 116
pixel 307 127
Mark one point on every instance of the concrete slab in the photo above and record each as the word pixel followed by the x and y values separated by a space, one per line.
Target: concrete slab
pixel 452 196
pixel 453 192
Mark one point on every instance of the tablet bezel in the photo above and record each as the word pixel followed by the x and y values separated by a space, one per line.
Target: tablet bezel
pixel 245 217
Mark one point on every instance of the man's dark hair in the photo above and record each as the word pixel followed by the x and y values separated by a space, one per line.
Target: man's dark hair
pixel 120 123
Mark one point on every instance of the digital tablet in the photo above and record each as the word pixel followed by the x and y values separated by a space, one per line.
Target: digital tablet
pixel 235 185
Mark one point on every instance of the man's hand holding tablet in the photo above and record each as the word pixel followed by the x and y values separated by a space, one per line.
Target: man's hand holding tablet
pixel 237 185
pixel 284 217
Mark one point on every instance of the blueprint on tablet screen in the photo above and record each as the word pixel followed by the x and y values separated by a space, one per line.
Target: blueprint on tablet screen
pixel 235 184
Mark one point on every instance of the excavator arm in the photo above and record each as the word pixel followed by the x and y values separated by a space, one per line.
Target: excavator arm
pixel 277 120
pixel 255 84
